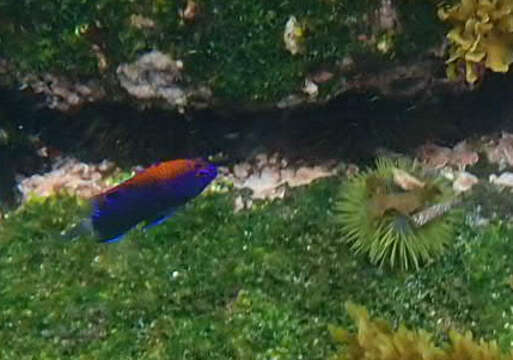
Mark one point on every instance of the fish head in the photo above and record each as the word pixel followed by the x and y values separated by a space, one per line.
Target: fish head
pixel 204 172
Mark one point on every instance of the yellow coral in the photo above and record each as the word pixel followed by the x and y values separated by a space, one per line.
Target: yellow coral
pixel 482 34
pixel 375 340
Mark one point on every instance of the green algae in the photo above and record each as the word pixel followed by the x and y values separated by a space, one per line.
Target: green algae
pixel 236 47
pixel 420 21
pixel 211 283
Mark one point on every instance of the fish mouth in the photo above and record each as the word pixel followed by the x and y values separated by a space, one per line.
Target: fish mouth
pixel 212 170
pixel 209 171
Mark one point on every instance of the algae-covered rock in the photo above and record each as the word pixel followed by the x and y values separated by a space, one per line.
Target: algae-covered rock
pixel 231 52
pixel 63 94
pixel 153 76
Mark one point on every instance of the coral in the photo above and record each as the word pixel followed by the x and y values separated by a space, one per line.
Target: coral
pixel 63 94
pixel 376 340
pixel 500 151
pixel 154 75
pixel 437 157
pixel 464 181
pixel 388 223
pixel 69 175
pixel 505 179
pixel 482 35
pixel 268 176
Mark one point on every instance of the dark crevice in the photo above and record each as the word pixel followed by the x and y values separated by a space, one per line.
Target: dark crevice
pixel 351 127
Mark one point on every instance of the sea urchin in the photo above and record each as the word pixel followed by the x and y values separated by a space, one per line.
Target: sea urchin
pixel 393 223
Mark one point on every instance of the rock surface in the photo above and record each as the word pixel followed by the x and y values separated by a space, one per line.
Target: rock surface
pixel 500 151
pixel 464 182
pixel 63 94
pixel 344 47
pixel 70 176
pixel 154 76
pixel 504 179
pixel 460 156
pixel 269 176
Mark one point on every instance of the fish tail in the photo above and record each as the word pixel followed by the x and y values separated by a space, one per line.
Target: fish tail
pixel 83 228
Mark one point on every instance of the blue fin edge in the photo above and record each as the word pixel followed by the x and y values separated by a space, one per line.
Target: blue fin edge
pixel 160 220
pixel 114 239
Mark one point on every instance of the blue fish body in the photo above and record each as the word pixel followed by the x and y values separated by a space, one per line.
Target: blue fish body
pixel 152 195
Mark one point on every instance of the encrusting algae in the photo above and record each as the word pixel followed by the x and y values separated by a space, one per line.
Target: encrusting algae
pixel 482 36
pixel 376 340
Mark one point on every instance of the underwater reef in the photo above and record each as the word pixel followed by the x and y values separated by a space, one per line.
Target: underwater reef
pixel 212 283
pixel 184 54
pixel 250 55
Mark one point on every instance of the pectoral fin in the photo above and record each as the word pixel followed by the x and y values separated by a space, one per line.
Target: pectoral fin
pixel 160 219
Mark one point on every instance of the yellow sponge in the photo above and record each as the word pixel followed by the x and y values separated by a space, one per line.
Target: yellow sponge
pixel 482 35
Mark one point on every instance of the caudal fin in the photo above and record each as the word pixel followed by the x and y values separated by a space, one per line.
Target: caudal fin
pixel 83 228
